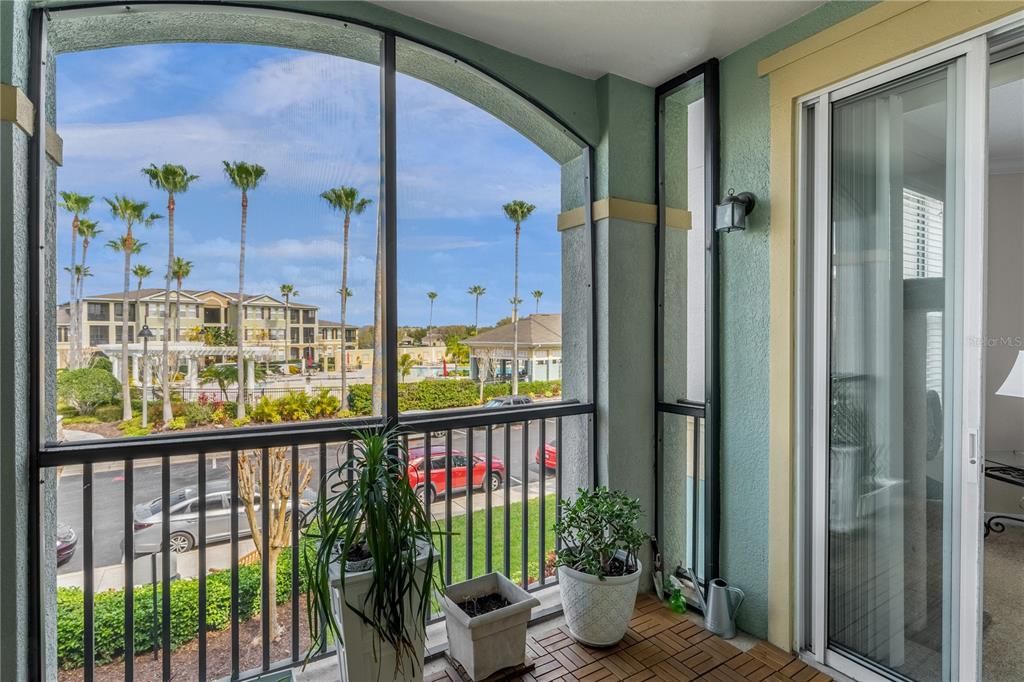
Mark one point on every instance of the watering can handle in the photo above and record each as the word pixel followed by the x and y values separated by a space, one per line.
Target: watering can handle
pixel 742 597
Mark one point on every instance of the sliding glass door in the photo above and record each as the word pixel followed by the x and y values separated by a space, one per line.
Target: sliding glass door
pixel 896 388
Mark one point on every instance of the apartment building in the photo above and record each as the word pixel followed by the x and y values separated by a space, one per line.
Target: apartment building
pixel 264 321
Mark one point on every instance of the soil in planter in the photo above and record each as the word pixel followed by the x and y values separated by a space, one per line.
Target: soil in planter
pixel 481 605
pixel 617 567
pixel 358 553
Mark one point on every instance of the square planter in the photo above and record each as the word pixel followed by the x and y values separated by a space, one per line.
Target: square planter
pixel 492 641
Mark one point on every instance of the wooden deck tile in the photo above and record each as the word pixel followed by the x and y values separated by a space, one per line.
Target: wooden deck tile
pixel 659 646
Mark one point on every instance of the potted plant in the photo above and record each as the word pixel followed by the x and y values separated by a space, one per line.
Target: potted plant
pixel 486 619
pixel 375 605
pixel 598 568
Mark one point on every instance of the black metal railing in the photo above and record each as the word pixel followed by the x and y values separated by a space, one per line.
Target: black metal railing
pixel 142 497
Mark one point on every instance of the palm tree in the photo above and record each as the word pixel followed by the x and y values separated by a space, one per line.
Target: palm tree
pixel 430 320
pixel 131 213
pixel 517 211
pixel 141 272
pixel 87 230
pixel 245 177
pixel 405 365
pixel 287 291
pixel 180 269
pixel 173 179
pixel 476 291
pixel 537 294
pixel 76 205
pixel 348 202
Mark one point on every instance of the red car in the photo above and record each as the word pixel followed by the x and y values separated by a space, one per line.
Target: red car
pixel 460 471
pixel 550 456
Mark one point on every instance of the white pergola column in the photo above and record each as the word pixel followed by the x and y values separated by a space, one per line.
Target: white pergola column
pixel 135 371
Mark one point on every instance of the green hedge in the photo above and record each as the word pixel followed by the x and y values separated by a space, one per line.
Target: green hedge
pixel 440 394
pixel 109 611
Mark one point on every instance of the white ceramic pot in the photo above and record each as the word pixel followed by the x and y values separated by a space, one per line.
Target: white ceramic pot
pixel 492 641
pixel 363 657
pixel 597 611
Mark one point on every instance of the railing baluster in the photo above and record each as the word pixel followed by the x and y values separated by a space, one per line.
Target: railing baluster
pixel 428 457
pixel 129 569
pixel 295 514
pixel 323 481
pixel 470 483
pixel 202 566
pixel 233 511
pixel 488 502
pixel 165 567
pixel 542 486
pixel 506 511
pixel 88 633
pixel 267 600
pixel 525 488
pixel 558 477
pixel 448 506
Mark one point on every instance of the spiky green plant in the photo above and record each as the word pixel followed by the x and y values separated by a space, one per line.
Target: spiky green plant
pixel 367 503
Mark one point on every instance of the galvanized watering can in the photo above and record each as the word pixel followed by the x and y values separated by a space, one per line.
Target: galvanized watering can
pixel 720 605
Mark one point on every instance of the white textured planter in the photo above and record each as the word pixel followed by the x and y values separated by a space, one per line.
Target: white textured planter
pixel 492 641
pixel 597 611
pixel 363 657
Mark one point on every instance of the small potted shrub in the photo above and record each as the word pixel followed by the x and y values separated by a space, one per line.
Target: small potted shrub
pixel 486 619
pixel 372 569
pixel 598 568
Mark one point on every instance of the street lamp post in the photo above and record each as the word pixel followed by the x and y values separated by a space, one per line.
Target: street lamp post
pixel 145 334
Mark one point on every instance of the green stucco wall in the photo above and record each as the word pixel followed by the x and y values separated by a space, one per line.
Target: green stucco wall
pixel 744 278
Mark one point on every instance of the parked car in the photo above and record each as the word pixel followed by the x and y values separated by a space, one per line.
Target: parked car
pixel 509 401
pixel 550 456
pixel 184 512
pixel 460 471
pixel 67 541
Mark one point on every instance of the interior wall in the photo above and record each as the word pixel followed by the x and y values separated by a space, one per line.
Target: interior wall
pixel 1004 308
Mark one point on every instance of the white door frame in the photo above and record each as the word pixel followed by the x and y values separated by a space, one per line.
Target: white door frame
pixel 813 219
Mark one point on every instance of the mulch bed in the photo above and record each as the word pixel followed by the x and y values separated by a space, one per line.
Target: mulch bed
pixel 185 660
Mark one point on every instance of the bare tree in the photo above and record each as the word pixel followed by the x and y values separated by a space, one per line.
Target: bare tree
pixel 484 363
pixel 278 496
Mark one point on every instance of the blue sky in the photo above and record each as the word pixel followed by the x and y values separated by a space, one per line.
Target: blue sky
pixel 313 121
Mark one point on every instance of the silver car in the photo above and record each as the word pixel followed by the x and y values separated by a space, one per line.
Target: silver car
pixel 184 513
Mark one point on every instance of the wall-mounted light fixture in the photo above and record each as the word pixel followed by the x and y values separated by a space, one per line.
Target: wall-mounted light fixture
pixel 732 213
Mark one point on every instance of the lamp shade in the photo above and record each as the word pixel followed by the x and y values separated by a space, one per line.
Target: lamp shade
pixel 1014 384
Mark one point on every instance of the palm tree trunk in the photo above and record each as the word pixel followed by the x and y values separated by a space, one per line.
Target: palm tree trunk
pixel 240 364
pixel 476 316
pixel 344 311
pixel 73 354
pixel 177 316
pixel 126 395
pixel 430 319
pixel 515 321
pixel 164 383
pixel 287 331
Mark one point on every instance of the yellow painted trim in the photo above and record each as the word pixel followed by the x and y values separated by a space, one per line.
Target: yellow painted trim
pixel 16 107
pixel 877 36
pixel 833 34
pixel 624 209
pixel 54 145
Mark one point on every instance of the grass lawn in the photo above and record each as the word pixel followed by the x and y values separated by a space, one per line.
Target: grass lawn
pixel 459 535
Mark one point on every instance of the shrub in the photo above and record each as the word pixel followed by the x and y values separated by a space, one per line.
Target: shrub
pixel 596 526
pixel 265 411
pixel 86 389
pixel 360 399
pixel 324 405
pixel 177 424
pixel 441 394
pixel 243 421
pixel 108 413
pixel 197 414
pixel 109 611
pixel 101 362
pixel 134 427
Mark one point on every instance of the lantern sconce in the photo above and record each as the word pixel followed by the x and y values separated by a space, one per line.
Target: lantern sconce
pixel 732 213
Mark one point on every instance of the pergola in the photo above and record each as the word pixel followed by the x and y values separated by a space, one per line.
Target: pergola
pixel 189 351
